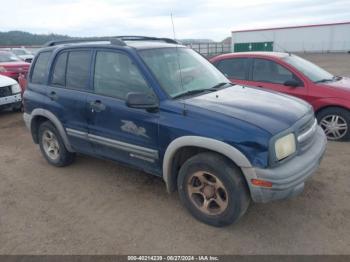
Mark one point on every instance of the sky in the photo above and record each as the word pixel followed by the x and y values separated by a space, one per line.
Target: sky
pixel 213 19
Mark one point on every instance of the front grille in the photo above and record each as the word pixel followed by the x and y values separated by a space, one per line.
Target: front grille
pixel 5 91
pixel 306 134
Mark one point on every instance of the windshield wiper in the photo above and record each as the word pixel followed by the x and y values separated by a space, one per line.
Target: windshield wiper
pixel 217 86
pixel 191 92
pixel 324 80
pixel 198 91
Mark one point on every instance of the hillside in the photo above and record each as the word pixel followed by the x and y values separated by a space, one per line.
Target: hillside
pixel 25 38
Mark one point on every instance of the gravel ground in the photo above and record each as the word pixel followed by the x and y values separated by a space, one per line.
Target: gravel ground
pixel 99 207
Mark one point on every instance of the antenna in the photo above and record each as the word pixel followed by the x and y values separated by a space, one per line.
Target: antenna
pixel 178 60
pixel 172 22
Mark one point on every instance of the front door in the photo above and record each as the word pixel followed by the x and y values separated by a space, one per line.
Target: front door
pixel 117 131
pixel 268 74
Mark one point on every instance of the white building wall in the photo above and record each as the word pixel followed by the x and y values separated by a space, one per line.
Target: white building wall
pixel 304 39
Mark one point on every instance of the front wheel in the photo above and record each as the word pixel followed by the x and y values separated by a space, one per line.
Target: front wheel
pixel 212 189
pixel 335 122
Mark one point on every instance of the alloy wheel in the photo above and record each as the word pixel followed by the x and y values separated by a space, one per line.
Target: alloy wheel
pixel 207 193
pixel 334 126
pixel 51 145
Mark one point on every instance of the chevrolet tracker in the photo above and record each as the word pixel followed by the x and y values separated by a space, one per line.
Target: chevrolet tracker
pixel 158 106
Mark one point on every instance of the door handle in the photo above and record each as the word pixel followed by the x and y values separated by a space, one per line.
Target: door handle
pixel 97 106
pixel 53 96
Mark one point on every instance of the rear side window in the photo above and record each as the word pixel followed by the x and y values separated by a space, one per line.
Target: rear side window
pixel 59 71
pixel 234 68
pixel 78 67
pixel 40 68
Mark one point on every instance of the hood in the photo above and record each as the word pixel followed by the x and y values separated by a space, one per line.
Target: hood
pixel 343 83
pixel 15 64
pixel 6 81
pixel 26 56
pixel 271 111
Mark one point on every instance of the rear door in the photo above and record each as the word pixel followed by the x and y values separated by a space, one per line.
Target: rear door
pixel 68 87
pixel 268 74
pixel 235 69
pixel 118 132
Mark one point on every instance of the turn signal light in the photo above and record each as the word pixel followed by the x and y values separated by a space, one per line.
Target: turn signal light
pixel 262 183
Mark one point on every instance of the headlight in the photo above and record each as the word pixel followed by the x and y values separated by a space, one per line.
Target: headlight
pixel 16 89
pixel 285 146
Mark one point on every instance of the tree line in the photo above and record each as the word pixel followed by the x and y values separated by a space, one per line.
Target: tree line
pixel 19 38
pixel 25 38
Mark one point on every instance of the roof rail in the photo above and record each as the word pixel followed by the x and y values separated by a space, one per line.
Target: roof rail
pixel 114 40
pixel 146 38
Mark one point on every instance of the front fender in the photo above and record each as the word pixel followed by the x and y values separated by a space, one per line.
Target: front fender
pixel 207 143
pixel 331 101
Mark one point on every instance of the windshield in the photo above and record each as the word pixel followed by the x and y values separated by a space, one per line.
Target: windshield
pixel 8 57
pixel 312 71
pixel 181 70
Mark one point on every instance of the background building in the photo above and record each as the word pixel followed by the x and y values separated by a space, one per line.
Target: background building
pixel 308 38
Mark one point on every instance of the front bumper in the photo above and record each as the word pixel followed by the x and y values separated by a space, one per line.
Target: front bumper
pixel 288 179
pixel 8 100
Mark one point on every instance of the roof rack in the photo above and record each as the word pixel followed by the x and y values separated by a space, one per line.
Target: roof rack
pixel 146 38
pixel 114 40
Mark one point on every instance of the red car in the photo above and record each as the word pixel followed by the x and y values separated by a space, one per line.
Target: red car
pixel 287 73
pixel 11 65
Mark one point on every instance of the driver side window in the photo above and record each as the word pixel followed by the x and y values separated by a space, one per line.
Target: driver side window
pixel 116 75
pixel 269 71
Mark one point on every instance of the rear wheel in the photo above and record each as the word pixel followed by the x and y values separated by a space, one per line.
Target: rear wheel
pixel 335 122
pixel 213 189
pixel 52 146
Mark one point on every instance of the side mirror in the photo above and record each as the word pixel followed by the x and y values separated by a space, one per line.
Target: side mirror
pixel 141 100
pixel 292 83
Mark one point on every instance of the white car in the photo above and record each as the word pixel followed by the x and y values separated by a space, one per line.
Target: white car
pixel 10 94
pixel 23 53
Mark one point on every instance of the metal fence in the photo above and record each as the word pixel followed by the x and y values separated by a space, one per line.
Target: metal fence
pixel 210 49
pixel 206 49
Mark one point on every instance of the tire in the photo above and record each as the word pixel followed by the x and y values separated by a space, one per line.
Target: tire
pixel 52 146
pixel 228 200
pixel 17 108
pixel 340 130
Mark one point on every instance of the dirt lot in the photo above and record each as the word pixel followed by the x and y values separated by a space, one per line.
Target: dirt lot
pixel 98 207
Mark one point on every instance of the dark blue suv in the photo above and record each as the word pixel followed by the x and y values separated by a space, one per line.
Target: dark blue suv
pixel 158 106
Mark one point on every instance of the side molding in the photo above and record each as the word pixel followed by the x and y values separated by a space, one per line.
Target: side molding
pixel 57 123
pixel 208 143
